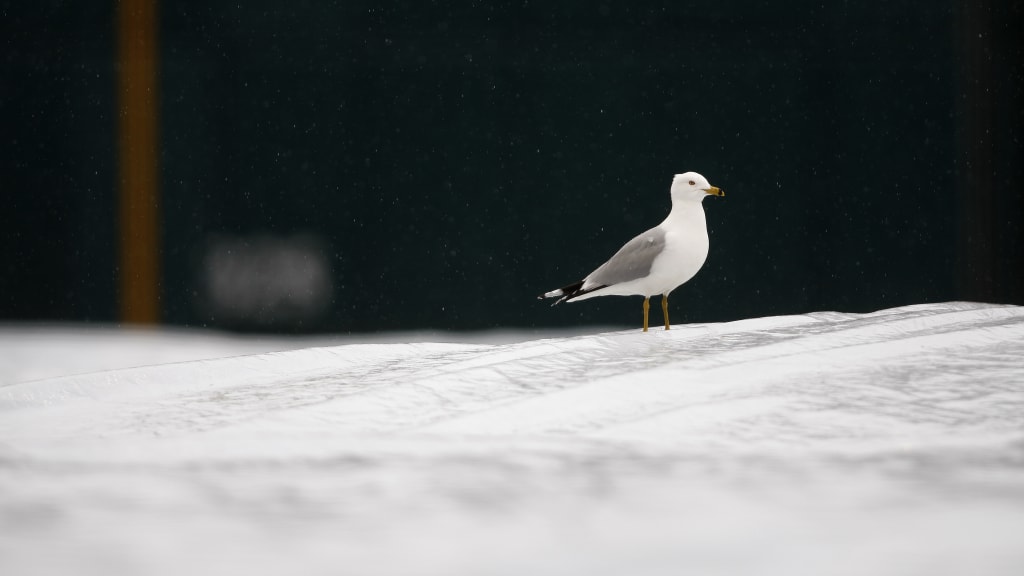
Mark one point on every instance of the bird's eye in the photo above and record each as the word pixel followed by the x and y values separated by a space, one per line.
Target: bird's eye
pixel 692 183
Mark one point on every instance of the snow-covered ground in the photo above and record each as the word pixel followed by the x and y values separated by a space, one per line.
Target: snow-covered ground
pixel 886 443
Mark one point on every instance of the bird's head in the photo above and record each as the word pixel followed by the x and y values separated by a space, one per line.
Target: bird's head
pixel 693 186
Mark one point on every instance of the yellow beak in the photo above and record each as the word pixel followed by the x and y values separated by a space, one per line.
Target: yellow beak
pixel 715 191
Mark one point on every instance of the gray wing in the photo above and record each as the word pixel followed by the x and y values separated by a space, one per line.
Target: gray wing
pixel 632 261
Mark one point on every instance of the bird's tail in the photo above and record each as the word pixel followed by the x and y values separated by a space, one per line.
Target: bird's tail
pixel 567 292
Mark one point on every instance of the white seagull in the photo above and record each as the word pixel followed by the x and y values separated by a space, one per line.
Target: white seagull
pixel 660 259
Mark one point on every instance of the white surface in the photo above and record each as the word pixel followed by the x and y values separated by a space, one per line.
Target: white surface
pixel 888 443
pixel 40 351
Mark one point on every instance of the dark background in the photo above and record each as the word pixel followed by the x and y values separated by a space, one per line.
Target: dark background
pixel 350 167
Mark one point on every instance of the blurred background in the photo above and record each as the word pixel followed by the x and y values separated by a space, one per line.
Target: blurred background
pixel 365 166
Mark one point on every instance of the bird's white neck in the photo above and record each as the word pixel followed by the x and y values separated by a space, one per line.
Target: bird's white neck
pixel 687 212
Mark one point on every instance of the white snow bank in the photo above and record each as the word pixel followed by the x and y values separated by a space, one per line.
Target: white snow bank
pixel 40 351
pixel 886 443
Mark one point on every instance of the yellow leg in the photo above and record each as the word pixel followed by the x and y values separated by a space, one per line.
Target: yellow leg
pixel 647 306
pixel 664 308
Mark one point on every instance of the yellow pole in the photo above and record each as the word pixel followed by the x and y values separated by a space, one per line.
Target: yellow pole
pixel 139 254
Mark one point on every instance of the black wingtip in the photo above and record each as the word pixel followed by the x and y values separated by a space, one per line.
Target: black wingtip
pixel 567 293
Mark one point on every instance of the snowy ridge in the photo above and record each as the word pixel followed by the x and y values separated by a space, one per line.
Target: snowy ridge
pixel 617 452
pixel 579 385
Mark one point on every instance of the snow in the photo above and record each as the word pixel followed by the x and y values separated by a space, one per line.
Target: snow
pixel 826 443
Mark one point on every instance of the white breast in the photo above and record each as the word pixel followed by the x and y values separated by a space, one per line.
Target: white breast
pixel 686 249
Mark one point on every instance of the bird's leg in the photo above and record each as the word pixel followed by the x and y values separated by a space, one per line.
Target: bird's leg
pixel 664 308
pixel 647 306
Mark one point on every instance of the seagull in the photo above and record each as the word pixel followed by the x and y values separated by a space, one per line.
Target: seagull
pixel 660 259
